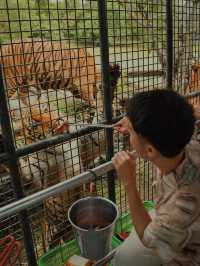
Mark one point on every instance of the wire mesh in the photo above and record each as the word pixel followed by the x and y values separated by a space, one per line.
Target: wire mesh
pixel 51 59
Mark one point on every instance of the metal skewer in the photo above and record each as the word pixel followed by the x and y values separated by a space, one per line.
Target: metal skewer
pixel 92 125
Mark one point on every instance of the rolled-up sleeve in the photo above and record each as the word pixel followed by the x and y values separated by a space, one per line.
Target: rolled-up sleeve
pixel 170 231
pixel 196 135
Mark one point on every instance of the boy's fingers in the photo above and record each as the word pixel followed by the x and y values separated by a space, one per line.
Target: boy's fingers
pixel 121 130
pixel 121 157
pixel 132 154
pixel 115 159
pixel 125 155
pixel 117 128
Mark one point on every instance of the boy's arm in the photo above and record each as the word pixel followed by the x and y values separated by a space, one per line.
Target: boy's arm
pixel 196 134
pixel 139 215
pixel 124 163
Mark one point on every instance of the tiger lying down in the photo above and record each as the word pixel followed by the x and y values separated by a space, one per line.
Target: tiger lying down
pixel 50 166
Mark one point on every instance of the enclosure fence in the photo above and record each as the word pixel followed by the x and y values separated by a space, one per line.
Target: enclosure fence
pixel 65 63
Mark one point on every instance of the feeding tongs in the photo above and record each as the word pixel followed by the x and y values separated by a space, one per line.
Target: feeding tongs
pixel 92 125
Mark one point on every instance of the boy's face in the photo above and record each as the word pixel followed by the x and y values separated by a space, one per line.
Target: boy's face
pixel 143 148
pixel 137 142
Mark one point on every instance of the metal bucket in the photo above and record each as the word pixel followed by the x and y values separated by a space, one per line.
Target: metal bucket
pixel 93 220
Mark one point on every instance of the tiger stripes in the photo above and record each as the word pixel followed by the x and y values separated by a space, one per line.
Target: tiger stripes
pixel 194 80
pixel 49 65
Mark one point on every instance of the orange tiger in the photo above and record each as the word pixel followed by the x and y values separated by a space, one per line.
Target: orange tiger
pixel 194 80
pixel 37 121
pixel 45 64
pixel 193 85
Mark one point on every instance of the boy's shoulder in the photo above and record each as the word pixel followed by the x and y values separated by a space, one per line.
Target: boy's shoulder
pixel 196 135
pixel 189 170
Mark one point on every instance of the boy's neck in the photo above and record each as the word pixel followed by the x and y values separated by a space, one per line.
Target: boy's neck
pixel 167 165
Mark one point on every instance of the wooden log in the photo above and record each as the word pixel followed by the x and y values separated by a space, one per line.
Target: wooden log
pixel 146 73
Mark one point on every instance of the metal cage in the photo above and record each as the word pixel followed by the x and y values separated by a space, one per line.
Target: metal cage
pixel 66 62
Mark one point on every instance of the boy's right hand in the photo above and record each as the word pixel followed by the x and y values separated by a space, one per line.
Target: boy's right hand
pixel 122 126
pixel 125 165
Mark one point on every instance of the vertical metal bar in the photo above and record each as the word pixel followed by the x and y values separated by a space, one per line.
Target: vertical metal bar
pixel 14 171
pixel 169 25
pixel 103 30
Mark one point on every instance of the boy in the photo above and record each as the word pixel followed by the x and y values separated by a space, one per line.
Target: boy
pixel 161 126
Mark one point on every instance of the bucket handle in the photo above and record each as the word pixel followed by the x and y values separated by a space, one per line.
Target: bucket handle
pixel 92 188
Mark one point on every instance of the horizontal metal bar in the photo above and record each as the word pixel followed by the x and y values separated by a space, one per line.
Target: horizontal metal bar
pixel 38 197
pixel 55 140
pixel 192 94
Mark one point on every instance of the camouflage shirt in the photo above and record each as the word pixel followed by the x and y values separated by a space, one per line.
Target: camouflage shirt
pixel 175 230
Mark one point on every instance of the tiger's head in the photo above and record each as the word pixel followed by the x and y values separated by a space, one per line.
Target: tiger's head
pixel 114 75
pixel 114 71
pixel 45 125
pixel 36 121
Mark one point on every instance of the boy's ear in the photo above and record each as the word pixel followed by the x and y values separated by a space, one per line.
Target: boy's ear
pixel 151 151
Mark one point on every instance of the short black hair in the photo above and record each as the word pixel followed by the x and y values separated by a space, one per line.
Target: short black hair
pixel 164 118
